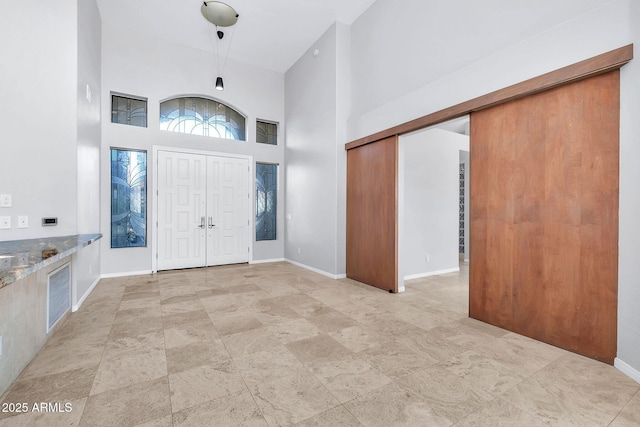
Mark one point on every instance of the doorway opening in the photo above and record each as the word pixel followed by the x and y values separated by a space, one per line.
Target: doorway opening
pixel 432 196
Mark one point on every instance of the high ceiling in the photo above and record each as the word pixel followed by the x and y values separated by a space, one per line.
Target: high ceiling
pixel 271 34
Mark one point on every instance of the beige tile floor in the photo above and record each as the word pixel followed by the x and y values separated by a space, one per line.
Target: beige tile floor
pixel 273 344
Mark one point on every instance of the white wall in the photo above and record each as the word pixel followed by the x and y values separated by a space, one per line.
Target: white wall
pixel 629 225
pixel 87 266
pixel 428 223
pixel 38 109
pixel 441 54
pixel 317 104
pixel 137 65
pixel 409 48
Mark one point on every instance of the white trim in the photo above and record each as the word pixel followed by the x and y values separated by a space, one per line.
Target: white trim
pixel 265 261
pixel 125 274
pixel 432 273
pixel 76 307
pixel 627 369
pixel 315 270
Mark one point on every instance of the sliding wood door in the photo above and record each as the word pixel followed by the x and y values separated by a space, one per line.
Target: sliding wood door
pixel 372 246
pixel 544 216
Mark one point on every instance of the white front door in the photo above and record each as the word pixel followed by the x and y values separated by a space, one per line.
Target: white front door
pixel 227 210
pixel 203 210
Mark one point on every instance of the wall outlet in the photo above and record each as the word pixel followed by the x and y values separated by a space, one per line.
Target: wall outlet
pixel 5 200
pixel 23 221
pixel 427 258
pixel 5 222
pixel 298 250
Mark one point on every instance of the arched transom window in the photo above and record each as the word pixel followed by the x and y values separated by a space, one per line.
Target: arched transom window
pixel 202 116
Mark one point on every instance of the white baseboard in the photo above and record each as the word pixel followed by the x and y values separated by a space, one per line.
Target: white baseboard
pixel 265 261
pixel 315 270
pixel 432 273
pixel 124 274
pixel 626 369
pixel 77 306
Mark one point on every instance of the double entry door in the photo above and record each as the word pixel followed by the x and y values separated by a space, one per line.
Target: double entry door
pixel 203 210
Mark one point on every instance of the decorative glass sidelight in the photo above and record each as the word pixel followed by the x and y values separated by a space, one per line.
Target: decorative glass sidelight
pixel 128 198
pixel 266 200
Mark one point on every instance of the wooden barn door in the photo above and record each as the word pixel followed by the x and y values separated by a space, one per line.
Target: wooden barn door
pixel 372 243
pixel 544 216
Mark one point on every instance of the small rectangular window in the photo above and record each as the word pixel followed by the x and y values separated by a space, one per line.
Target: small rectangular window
pixel 128 111
pixel 266 200
pixel 266 133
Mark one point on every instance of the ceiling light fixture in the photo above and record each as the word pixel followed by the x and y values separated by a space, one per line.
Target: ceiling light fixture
pixel 221 15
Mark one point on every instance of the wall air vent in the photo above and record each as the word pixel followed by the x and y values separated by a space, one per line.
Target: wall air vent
pixel 58 294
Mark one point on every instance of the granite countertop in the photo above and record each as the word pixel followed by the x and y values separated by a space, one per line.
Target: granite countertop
pixel 20 258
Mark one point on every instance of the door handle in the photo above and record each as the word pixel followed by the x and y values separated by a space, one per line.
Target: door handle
pixel 211 224
pixel 201 223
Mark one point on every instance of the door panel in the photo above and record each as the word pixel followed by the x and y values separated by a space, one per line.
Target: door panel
pixel 372 249
pixel 181 207
pixel 228 210
pixel 544 216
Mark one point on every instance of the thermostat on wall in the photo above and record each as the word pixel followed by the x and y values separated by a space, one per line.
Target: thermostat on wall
pixel 49 221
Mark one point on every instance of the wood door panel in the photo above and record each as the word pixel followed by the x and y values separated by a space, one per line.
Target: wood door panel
pixel 562 180
pixel 528 258
pixel 561 278
pixel 502 180
pixel 372 214
pixel 498 273
pixel 477 260
pixel 599 266
pixel 545 229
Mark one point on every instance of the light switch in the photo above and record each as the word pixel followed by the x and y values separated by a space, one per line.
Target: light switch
pixel 5 222
pixel 5 200
pixel 23 221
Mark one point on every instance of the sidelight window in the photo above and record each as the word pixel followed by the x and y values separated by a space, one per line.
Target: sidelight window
pixel 128 198
pixel 266 200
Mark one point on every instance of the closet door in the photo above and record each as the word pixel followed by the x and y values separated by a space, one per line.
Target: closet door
pixel 182 204
pixel 228 195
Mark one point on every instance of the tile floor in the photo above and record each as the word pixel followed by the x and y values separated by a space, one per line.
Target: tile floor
pixel 276 345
